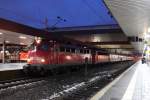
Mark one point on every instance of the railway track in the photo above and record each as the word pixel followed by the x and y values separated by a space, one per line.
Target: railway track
pixel 11 86
pixel 15 82
pixel 85 90
pixel 67 86
pixel 85 93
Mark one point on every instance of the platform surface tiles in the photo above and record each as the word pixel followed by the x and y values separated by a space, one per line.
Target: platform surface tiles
pixel 11 66
pixel 133 84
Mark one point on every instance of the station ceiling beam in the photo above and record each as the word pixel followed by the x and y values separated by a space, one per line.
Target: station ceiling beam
pixel 109 43
pixel 19 28
pixel 125 48
pixel 101 29
pixel 9 44
pixel 122 45
pixel 23 29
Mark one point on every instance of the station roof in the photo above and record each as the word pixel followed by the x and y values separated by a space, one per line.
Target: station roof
pixel 133 18
pixel 56 13
pixel 67 16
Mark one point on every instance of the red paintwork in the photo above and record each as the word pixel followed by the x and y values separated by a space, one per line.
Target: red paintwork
pixel 54 57
pixel 23 55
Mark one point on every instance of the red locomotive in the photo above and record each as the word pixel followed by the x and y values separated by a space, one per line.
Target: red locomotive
pixel 48 55
pixel 23 56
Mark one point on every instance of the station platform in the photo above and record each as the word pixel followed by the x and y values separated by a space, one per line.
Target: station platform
pixel 11 66
pixel 133 84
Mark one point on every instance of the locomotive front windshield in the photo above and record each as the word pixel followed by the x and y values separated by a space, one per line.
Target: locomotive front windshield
pixel 44 47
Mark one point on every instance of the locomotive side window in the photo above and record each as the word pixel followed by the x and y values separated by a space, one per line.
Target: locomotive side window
pixel 81 51
pixel 87 51
pixel 67 49
pixel 45 47
pixel 73 50
pixel 57 49
pixel 77 51
pixel 84 51
pixel 62 49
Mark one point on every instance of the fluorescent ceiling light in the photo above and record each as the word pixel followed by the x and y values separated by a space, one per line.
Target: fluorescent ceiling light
pixel 148 30
pixel 7 41
pixel 21 43
pixel 22 37
pixel 96 39
pixel 148 35
pixel 1 33
pixel 144 33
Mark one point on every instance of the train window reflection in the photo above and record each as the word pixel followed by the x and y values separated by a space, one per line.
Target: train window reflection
pixel 44 47
pixel 62 49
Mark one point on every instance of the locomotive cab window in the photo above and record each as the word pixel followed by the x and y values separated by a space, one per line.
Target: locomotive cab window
pixel 44 47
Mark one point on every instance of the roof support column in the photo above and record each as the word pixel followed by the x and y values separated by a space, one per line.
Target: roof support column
pixel 4 54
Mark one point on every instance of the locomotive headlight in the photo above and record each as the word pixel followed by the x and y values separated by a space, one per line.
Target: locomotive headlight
pixel 29 59
pixel 68 57
pixel 42 60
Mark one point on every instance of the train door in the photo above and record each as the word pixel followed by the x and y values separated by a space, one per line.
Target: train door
pixel 54 53
pixel 51 53
pixel 93 56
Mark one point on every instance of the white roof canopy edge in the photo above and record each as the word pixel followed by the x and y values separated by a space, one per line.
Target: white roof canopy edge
pixel 132 16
